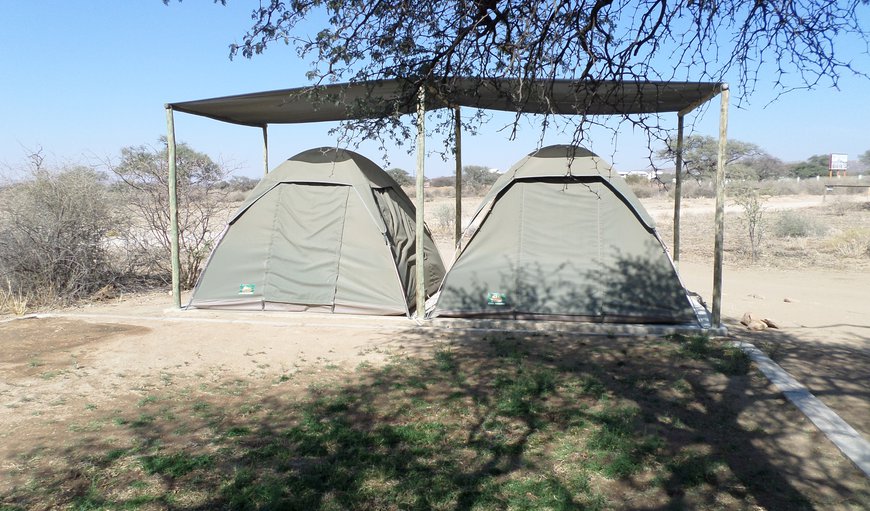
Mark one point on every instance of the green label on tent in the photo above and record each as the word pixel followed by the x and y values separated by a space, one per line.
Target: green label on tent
pixel 496 299
pixel 246 289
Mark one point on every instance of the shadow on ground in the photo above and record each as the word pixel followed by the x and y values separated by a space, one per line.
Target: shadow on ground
pixel 834 369
pixel 481 422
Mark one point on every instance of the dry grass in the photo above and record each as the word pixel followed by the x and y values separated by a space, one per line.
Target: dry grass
pixel 829 237
pixel 12 301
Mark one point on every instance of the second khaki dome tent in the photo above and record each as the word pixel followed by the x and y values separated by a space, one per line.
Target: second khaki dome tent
pixel 327 230
pixel 561 236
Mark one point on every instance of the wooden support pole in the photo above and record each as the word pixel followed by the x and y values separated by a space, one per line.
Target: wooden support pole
pixel 265 149
pixel 421 158
pixel 719 245
pixel 678 190
pixel 173 207
pixel 457 227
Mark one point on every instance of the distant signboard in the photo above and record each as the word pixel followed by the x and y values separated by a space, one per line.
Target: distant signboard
pixel 839 161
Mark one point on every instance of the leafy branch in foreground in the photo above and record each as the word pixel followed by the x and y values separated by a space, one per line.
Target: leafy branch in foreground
pixel 797 43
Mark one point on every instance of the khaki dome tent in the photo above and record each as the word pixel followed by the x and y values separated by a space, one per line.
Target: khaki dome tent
pixel 561 236
pixel 327 230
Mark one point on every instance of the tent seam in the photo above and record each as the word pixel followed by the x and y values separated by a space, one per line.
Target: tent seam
pixel 340 249
pixel 521 243
pixel 268 259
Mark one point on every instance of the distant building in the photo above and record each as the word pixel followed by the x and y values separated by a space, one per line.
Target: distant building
pixel 648 174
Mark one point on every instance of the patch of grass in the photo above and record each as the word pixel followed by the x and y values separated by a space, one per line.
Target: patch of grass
pixel 694 346
pixel 236 387
pixel 14 301
pixel 176 464
pixel 147 400
pixel 95 425
pixel 237 431
pixel 690 469
pixel 592 387
pixel 201 407
pixel 520 392
pixel 732 361
pixel 728 360
pixel 248 491
pixel 618 450
pixel 535 493
pixel 444 360
pixel 114 454
pixel 91 500
pixel 250 408
pixel 142 421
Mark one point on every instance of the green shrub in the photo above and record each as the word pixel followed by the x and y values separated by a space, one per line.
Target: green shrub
pixel 794 224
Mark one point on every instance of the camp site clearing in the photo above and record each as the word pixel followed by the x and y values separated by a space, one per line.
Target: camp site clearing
pixel 134 405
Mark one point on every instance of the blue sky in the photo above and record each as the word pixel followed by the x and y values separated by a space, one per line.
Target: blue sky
pixel 83 79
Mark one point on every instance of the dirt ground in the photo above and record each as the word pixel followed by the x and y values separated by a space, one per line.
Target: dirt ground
pixel 56 369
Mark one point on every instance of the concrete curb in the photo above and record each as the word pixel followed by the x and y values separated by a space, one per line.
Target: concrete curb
pixel 838 431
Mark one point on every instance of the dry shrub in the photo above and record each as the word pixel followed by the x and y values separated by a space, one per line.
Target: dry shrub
pixel 54 227
pixel 440 192
pixel 694 189
pixel 643 187
pixel 840 206
pixel 445 218
pixel 237 196
pixel 852 243
pixel 12 300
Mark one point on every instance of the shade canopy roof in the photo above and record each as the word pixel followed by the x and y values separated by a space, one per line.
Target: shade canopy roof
pixel 384 98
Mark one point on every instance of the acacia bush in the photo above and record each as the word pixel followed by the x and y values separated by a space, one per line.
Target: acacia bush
pixel 753 218
pixel 202 208
pixel 477 179
pixel 54 228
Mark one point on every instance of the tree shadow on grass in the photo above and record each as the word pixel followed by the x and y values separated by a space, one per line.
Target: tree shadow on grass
pixel 481 421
